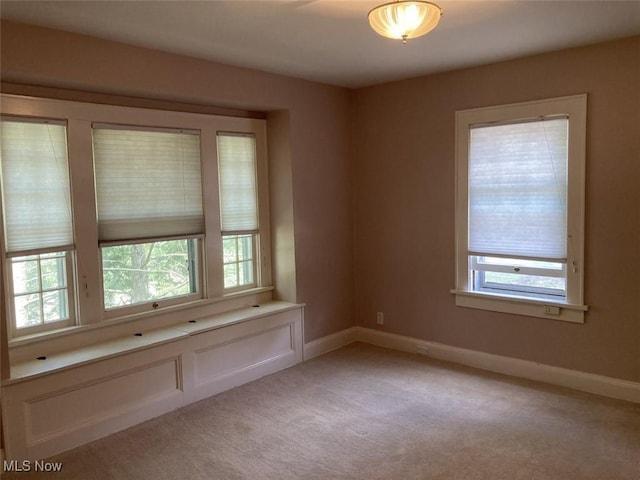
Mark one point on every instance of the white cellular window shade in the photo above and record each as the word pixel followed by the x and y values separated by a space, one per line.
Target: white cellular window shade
pixel 148 183
pixel 35 186
pixel 518 190
pixel 237 177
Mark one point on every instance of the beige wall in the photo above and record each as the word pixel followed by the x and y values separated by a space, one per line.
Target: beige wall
pixel 315 123
pixel 404 208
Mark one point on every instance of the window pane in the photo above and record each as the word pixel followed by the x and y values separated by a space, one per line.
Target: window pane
pixel 40 289
pixel 246 273
pixel 230 249
pixel 140 273
pixel 245 248
pixel 55 306
pixel 238 260
pixel 516 281
pixel 518 276
pixel 26 276
pixel 28 309
pixel 231 275
pixel 53 273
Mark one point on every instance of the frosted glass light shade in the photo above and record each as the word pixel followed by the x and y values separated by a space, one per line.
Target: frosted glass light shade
pixel 405 19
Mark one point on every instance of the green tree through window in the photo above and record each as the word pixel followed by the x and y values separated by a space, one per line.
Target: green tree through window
pixel 143 272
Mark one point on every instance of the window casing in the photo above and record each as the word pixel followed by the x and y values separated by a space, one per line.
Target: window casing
pixel 520 208
pixel 184 245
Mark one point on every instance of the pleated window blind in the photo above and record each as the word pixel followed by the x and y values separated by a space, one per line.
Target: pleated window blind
pixel 148 183
pixel 35 186
pixel 237 177
pixel 518 190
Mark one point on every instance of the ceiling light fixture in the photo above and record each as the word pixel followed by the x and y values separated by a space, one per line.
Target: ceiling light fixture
pixel 405 19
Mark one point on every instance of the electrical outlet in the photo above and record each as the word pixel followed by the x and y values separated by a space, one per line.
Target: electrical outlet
pixel 551 310
pixel 380 318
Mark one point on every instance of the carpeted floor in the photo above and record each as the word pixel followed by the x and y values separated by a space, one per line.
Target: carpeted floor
pixel 364 412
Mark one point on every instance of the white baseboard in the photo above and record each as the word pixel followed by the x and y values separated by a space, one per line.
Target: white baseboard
pixel 586 382
pixel 331 342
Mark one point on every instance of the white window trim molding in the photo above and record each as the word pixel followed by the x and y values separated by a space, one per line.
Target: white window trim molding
pixel 521 306
pixel 573 309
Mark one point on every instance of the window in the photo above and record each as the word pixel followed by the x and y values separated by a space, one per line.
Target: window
pixel 238 260
pixel 238 207
pixel 148 186
pixel 40 289
pixel 519 276
pixel 38 237
pixel 169 218
pixel 145 272
pixel 520 208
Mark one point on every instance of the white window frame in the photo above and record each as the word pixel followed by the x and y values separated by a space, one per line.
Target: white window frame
pixel 254 263
pixel 572 310
pixel 481 268
pixel 14 331
pixel 89 304
pixel 159 303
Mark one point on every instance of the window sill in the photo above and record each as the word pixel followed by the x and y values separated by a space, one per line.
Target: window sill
pixel 169 310
pixel 521 306
pixel 47 343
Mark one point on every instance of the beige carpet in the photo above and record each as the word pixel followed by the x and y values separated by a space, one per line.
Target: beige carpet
pixel 364 412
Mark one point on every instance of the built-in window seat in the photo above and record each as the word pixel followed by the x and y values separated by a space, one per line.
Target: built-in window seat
pixel 55 402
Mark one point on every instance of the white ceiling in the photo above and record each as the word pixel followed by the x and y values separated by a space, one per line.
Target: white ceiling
pixel 330 41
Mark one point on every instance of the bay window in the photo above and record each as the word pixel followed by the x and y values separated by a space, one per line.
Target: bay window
pixel 171 210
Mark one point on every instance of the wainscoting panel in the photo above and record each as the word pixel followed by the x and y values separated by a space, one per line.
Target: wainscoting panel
pixel 53 412
pixel 103 398
pixel 241 354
